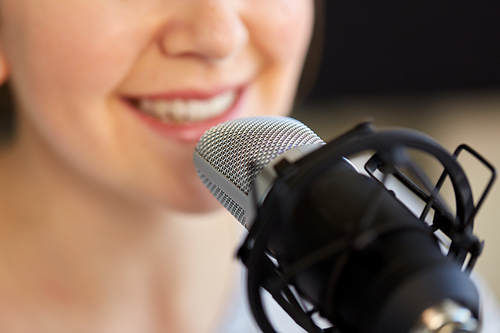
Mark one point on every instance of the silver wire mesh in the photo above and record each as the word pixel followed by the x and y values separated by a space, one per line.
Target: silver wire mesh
pixel 239 149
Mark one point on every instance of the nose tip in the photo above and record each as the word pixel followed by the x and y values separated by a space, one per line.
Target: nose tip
pixel 211 31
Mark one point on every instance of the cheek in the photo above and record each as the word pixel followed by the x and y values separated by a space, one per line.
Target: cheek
pixel 280 31
pixel 281 28
pixel 80 47
pixel 77 57
pixel 65 71
pixel 63 68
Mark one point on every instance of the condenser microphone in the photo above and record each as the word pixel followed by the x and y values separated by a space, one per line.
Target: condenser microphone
pixel 327 241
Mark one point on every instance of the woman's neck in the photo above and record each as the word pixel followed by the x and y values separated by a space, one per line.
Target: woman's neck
pixel 70 243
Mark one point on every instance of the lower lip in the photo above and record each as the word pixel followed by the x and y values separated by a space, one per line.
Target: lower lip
pixel 189 132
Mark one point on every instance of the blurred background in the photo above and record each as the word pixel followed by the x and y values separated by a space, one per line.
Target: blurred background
pixel 433 66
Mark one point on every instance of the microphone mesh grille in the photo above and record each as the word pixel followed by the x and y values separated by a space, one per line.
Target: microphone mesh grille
pixel 236 210
pixel 239 149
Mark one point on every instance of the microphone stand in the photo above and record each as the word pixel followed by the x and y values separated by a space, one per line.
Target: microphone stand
pixel 391 156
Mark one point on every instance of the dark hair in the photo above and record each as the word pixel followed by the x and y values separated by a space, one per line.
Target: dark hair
pixel 314 55
pixel 7 114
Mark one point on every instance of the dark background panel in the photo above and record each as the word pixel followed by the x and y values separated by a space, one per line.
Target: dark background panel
pixel 410 46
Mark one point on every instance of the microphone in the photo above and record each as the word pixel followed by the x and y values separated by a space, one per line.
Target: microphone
pixel 329 242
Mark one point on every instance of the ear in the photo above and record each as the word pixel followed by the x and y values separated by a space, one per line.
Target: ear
pixel 4 66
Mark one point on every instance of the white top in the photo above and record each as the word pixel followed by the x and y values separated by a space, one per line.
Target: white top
pixel 239 318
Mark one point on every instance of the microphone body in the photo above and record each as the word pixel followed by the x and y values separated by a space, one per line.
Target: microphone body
pixel 379 286
pixel 348 246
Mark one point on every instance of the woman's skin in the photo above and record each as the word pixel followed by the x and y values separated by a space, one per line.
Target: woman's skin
pixel 104 225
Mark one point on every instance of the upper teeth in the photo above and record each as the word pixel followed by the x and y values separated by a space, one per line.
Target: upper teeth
pixel 188 110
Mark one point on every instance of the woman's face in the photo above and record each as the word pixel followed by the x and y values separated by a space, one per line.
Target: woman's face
pixel 121 90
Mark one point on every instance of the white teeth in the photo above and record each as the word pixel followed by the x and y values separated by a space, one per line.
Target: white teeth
pixel 179 110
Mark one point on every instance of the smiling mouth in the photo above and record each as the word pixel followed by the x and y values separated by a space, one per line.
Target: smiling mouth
pixel 186 110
